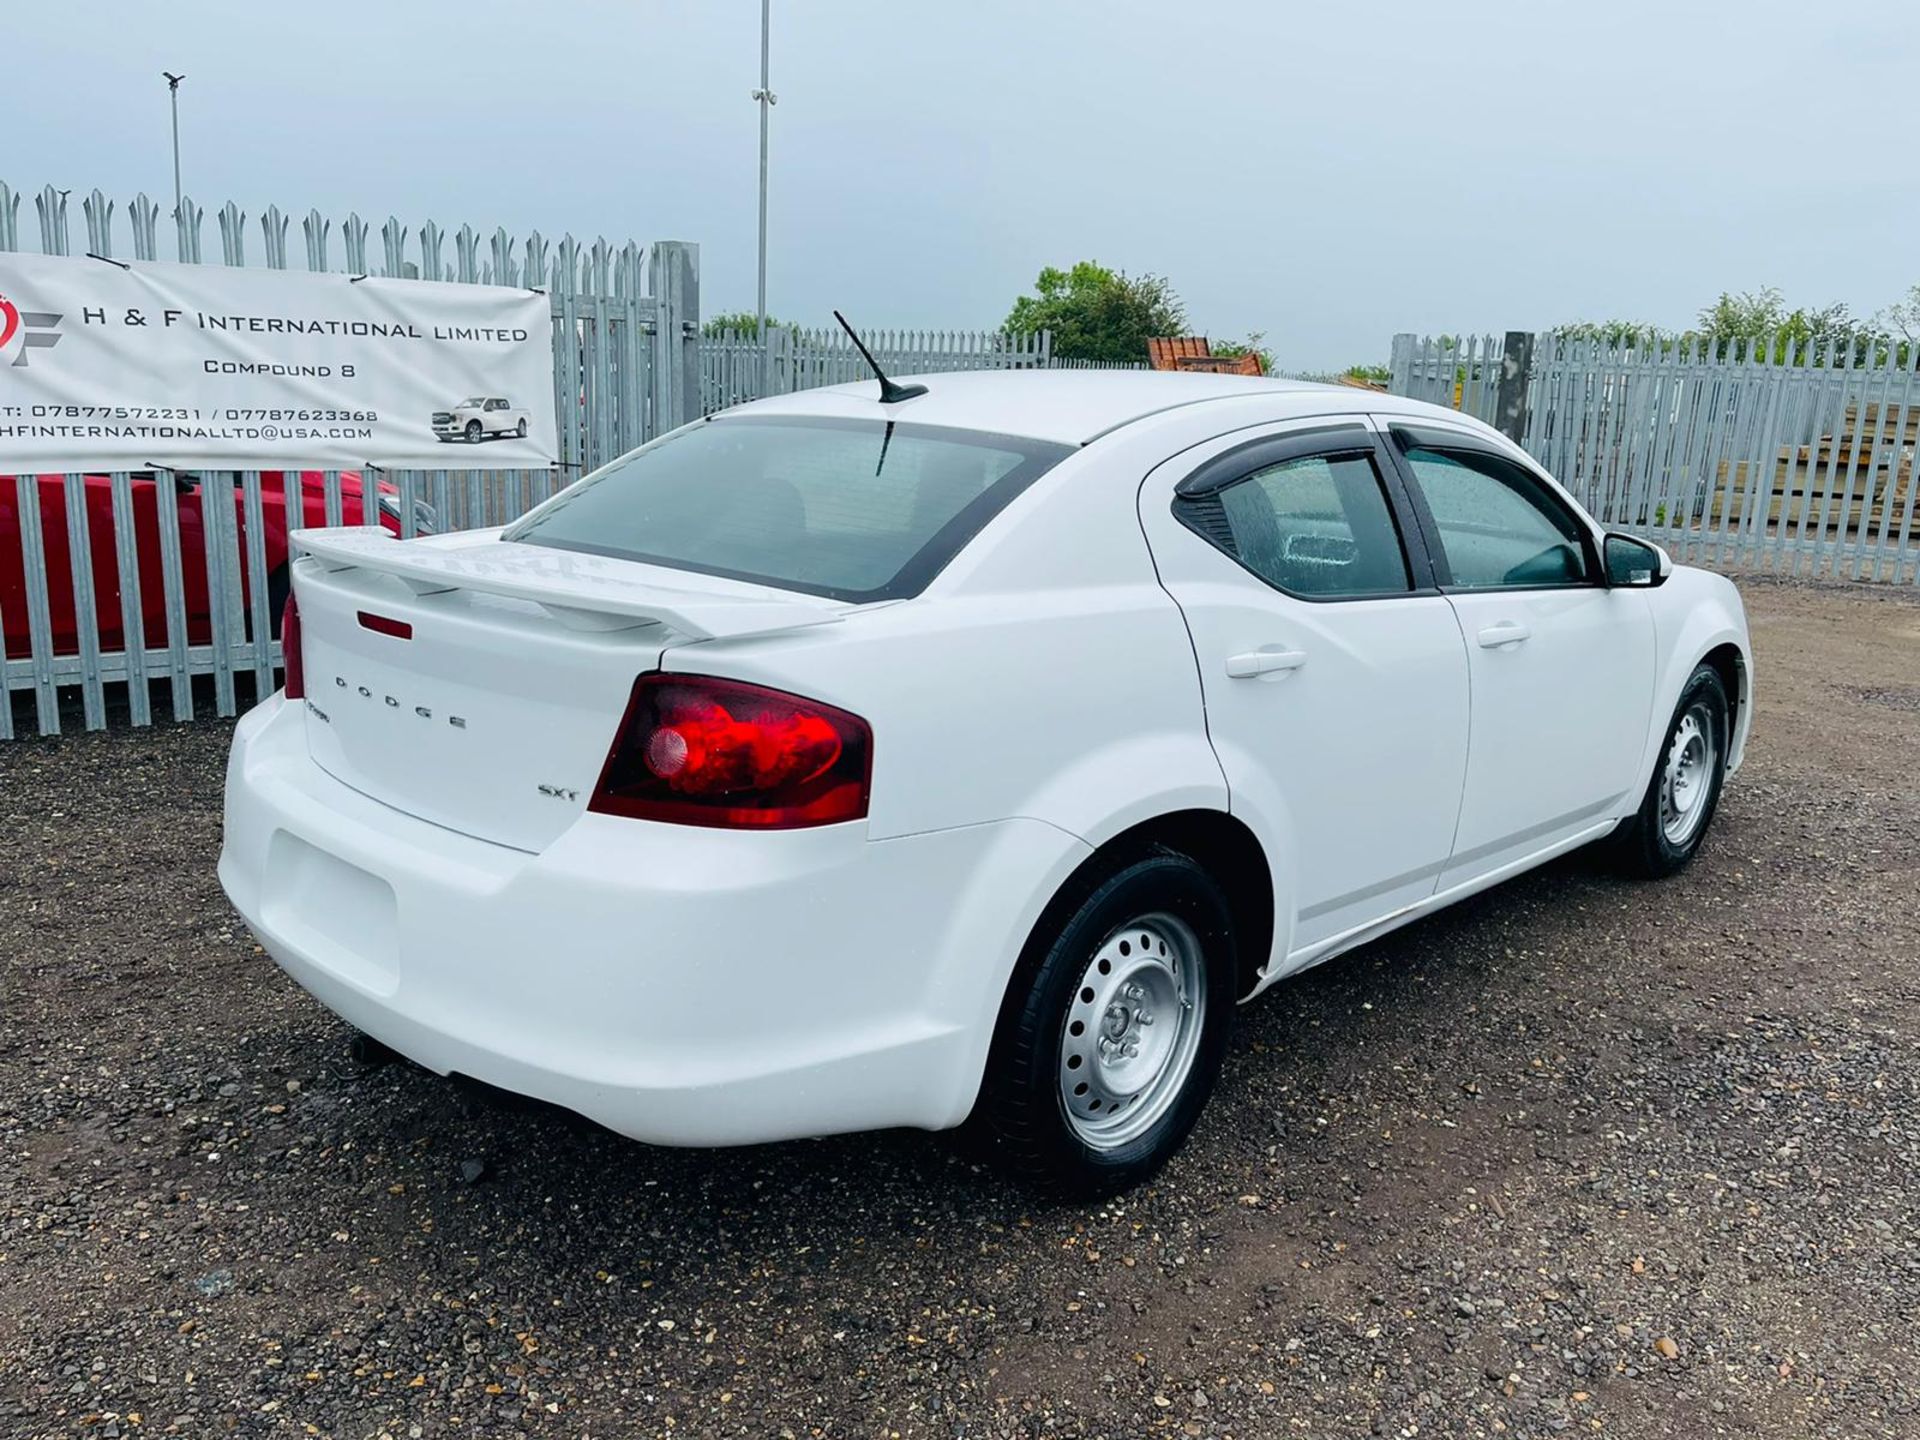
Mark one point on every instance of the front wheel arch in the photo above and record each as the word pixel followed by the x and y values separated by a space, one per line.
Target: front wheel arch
pixel 1730 665
pixel 1640 846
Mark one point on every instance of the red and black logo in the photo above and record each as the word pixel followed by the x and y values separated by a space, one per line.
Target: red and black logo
pixel 23 331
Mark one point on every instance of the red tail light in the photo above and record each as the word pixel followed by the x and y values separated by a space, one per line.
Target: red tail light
pixel 296 681
pixel 700 751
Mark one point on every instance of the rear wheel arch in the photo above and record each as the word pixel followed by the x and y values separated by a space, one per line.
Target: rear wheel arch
pixel 1219 844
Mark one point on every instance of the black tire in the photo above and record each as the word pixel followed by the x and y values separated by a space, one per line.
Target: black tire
pixel 1021 1121
pixel 473 432
pixel 1642 846
pixel 521 429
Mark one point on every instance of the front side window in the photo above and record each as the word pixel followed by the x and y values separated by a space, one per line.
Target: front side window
pixel 853 509
pixel 1498 526
pixel 1317 526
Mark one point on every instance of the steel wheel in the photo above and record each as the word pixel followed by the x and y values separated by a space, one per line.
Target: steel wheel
pixel 1686 781
pixel 1132 1030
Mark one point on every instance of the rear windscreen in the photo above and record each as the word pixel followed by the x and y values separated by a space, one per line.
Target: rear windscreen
pixel 853 509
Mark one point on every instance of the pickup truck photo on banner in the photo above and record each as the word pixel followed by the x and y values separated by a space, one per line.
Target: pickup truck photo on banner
pixel 108 365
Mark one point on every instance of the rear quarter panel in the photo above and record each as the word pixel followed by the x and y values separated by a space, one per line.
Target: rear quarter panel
pixel 1044 681
pixel 1044 675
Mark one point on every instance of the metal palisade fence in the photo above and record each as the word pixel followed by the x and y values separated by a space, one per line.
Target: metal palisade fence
pixel 1796 459
pixel 733 368
pixel 81 606
pixel 1461 372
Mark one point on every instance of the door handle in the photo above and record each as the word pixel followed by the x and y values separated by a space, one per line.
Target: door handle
pixel 1264 662
pixel 1507 632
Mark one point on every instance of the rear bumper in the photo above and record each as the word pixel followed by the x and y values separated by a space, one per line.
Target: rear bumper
pixel 679 985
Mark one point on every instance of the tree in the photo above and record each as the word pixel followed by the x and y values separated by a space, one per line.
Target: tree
pixel 1233 349
pixel 1612 332
pixel 1761 318
pixel 1099 314
pixel 1761 325
pixel 1903 315
pixel 742 322
pixel 1372 374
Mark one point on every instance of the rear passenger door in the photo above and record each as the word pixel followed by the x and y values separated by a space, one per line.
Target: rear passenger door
pixel 1332 669
pixel 1562 666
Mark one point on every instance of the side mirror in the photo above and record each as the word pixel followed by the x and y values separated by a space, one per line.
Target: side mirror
pixel 1633 563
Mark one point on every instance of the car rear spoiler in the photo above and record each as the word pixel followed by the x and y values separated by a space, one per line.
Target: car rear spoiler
pixel 582 591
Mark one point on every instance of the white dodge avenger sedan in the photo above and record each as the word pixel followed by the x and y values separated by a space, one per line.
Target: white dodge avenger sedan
pixel 835 763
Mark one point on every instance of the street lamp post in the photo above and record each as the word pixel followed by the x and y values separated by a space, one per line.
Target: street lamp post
pixel 173 95
pixel 766 99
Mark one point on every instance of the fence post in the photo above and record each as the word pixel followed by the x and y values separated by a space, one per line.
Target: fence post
pixel 673 275
pixel 1510 403
pixel 1400 364
pixel 780 366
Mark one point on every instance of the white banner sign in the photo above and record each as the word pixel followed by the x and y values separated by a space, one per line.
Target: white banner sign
pixel 107 365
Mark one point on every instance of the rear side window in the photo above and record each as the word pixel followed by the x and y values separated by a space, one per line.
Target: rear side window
pixel 852 509
pixel 1317 526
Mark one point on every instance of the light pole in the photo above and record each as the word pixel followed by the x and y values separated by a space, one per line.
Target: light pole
pixel 173 95
pixel 766 99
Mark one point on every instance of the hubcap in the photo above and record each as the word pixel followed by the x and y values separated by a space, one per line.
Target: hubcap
pixel 1132 1031
pixel 1686 781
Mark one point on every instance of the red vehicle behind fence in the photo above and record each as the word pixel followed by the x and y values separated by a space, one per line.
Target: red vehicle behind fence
pixel 186 494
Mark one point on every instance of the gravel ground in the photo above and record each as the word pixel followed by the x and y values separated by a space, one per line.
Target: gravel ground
pixel 1576 1156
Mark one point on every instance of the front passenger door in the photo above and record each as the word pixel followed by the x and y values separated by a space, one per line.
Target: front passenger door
pixel 1562 666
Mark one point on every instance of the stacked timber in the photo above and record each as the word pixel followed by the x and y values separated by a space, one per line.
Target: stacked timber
pixel 1861 476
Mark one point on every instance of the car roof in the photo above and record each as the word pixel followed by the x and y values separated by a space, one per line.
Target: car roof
pixel 1068 406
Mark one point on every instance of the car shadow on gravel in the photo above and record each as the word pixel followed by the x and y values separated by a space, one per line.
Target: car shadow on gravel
pixel 497 1154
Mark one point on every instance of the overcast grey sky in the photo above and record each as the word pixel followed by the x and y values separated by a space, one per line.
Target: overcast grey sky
pixel 1328 174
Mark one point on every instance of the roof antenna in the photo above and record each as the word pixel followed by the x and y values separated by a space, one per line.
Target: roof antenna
pixel 890 393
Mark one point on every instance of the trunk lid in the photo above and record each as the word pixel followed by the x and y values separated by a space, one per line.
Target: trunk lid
pixel 477 683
